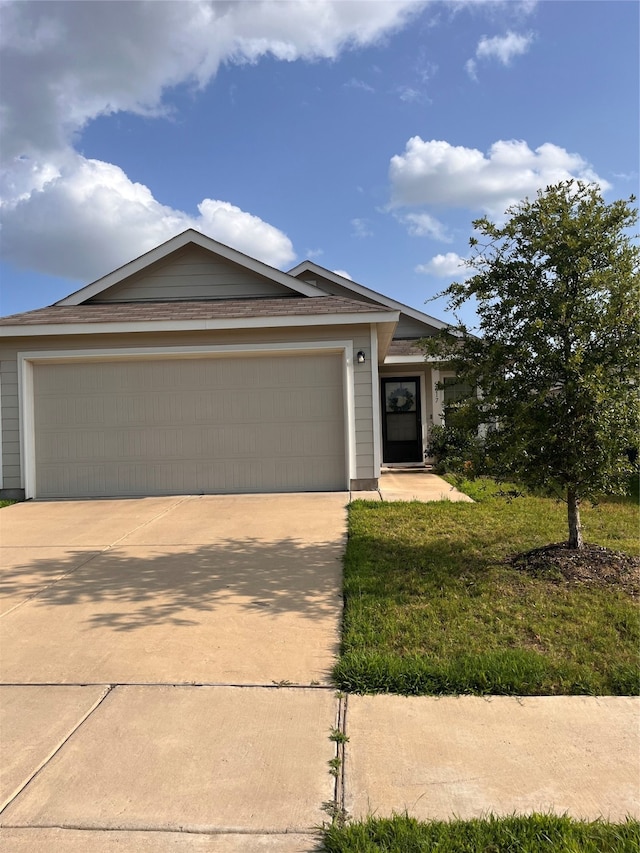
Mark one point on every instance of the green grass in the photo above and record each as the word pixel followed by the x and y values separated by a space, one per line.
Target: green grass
pixel 531 834
pixel 6 503
pixel 431 606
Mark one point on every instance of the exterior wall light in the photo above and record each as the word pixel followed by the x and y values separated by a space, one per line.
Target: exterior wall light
pixel 361 357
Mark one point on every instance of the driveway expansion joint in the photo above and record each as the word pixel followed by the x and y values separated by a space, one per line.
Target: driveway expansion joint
pixel 16 793
pixel 168 830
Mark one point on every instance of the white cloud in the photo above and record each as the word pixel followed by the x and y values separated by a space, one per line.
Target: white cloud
pixel 502 48
pixel 409 95
pixel 450 265
pixel 90 218
pixel 70 62
pixel 471 67
pixel 343 274
pixel 354 83
pixel 64 64
pixel 436 173
pixel 425 225
pixel 361 228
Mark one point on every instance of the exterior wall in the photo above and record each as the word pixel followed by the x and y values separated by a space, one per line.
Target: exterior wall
pixel 10 429
pixel 359 335
pixel 195 274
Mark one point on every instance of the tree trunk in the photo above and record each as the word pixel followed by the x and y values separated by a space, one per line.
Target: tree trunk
pixel 573 514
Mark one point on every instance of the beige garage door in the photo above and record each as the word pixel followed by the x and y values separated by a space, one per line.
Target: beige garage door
pixel 189 426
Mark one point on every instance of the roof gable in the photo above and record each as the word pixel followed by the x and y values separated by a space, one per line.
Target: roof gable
pixel 192 274
pixel 154 274
pixel 412 323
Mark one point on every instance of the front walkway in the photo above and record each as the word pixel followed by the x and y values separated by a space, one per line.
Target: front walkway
pixel 412 484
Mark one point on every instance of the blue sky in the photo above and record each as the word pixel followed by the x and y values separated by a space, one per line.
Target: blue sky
pixel 364 135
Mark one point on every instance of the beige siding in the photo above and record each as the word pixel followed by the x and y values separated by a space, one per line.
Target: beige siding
pixel 10 423
pixel 194 274
pixel 362 374
pixel 362 408
pixel 409 328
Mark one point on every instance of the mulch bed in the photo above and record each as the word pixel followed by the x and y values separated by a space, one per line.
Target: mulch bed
pixel 592 565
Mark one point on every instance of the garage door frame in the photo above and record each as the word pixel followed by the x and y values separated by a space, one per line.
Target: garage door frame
pixel 28 360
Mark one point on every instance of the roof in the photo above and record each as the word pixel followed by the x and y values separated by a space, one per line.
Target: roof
pixel 361 290
pixel 114 312
pixel 233 314
pixel 405 347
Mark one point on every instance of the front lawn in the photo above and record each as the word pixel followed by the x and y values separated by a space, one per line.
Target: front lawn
pixel 432 605
pixel 531 834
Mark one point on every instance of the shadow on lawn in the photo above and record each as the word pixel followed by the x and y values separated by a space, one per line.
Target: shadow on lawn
pixel 173 586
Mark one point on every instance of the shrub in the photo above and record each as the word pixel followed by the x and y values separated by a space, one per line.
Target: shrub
pixel 455 450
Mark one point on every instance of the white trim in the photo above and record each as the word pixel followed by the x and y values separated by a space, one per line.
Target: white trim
pixel 289 321
pixel 27 360
pixel 179 242
pixel 375 402
pixel 408 359
pixel 310 266
pixel 27 426
pixel 348 386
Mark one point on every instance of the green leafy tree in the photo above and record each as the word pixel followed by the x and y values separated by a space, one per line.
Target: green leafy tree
pixel 557 292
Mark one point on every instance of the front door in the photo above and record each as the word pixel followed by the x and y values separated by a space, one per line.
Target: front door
pixel 401 425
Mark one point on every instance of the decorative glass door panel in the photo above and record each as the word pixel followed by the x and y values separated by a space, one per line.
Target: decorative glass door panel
pixel 401 425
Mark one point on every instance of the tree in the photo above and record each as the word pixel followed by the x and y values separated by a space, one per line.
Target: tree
pixel 557 294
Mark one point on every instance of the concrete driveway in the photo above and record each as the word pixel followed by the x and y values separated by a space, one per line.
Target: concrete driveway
pixel 213 589
pixel 118 617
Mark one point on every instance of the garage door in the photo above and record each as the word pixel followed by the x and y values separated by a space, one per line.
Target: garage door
pixel 189 426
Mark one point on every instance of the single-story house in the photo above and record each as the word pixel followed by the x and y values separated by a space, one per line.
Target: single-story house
pixel 196 369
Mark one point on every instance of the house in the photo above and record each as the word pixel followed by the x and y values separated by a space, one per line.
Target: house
pixel 195 369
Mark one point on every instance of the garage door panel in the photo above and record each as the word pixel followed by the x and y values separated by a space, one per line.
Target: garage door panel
pixel 268 423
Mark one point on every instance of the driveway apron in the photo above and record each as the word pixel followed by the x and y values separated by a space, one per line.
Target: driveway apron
pixel 165 670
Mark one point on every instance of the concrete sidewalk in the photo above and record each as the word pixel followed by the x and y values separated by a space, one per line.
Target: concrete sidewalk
pixel 467 756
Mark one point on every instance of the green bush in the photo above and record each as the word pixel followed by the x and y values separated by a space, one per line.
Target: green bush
pixel 455 450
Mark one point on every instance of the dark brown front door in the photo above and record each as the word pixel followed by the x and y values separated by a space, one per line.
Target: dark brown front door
pixel 401 425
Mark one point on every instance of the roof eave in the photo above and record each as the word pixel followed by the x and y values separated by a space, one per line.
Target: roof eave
pixel 381 318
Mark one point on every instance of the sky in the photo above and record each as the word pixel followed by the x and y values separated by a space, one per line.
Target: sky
pixel 363 135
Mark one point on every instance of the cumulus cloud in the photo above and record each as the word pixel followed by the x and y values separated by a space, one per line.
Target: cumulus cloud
pixel 343 274
pixel 502 48
pixel 89 218
pixel 437 173
pixel 450 265
pixel 64 64
pixel 425 225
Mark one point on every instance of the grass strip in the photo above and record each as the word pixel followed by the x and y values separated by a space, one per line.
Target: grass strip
pixel 528 834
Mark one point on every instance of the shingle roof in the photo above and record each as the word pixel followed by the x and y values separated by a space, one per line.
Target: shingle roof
pixel 119 312
pixel 405 347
